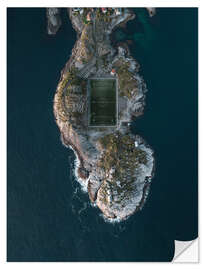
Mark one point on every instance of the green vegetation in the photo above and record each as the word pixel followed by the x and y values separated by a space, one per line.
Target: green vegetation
pixel 127 84
pixel 119 148
pixel 105 17
pixel 98 13
pixel 104 60
pixel 60 101
pixel 85 21
pixel 65 95
pixel 70 76
pixel 86 44
pixel 120 154
pixel 84 16
pixel 103 102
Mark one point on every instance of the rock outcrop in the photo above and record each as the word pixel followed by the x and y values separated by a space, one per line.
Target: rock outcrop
pixel 53 20
pixel 152 11
pixel 115 165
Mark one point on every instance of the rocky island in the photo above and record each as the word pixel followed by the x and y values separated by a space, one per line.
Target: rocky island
pixel 99 93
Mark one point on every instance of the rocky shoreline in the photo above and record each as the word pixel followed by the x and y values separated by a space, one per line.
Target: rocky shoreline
pixel 117 184
pixel 53 20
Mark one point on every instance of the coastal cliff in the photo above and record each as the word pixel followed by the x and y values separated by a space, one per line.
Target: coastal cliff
pixel 114 165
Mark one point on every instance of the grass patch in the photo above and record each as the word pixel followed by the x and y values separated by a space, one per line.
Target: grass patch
pixel 103 102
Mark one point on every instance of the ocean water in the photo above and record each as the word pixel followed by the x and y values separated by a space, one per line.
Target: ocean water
pixel 49 217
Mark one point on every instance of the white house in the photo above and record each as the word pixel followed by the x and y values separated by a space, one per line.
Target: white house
pixel 104 10
pixel 136 144
pixel 118 11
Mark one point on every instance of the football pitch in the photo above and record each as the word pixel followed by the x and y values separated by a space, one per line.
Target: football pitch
pixel 103 102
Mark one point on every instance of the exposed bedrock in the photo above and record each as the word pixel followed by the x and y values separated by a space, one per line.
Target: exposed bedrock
pixel 115 165
pixel 53 20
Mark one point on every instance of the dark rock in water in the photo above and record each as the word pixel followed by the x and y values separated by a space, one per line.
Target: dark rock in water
pixel 83 173
pixel 53 20
pixel 129 41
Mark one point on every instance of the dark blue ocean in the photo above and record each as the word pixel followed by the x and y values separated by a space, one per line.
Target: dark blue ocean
pixel 49 218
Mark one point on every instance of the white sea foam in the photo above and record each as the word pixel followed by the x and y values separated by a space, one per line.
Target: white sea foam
pixel 93 204
pixel 77 177
pixel 83 208
pixel 82 183
pixel 112 220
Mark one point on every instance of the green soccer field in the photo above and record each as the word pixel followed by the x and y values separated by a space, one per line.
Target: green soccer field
pixel 102 102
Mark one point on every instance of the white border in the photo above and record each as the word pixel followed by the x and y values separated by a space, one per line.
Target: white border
pixel 187 251
pixel 94 3
pixel 105 3
pixel 3 141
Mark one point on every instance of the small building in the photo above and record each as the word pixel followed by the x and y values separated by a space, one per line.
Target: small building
pixel 136 144
pixel 111 11
pixel 76 9
pixel 88 18
pixel 81 11
pixel 104 10
pixel 113 72
pixel 118 11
